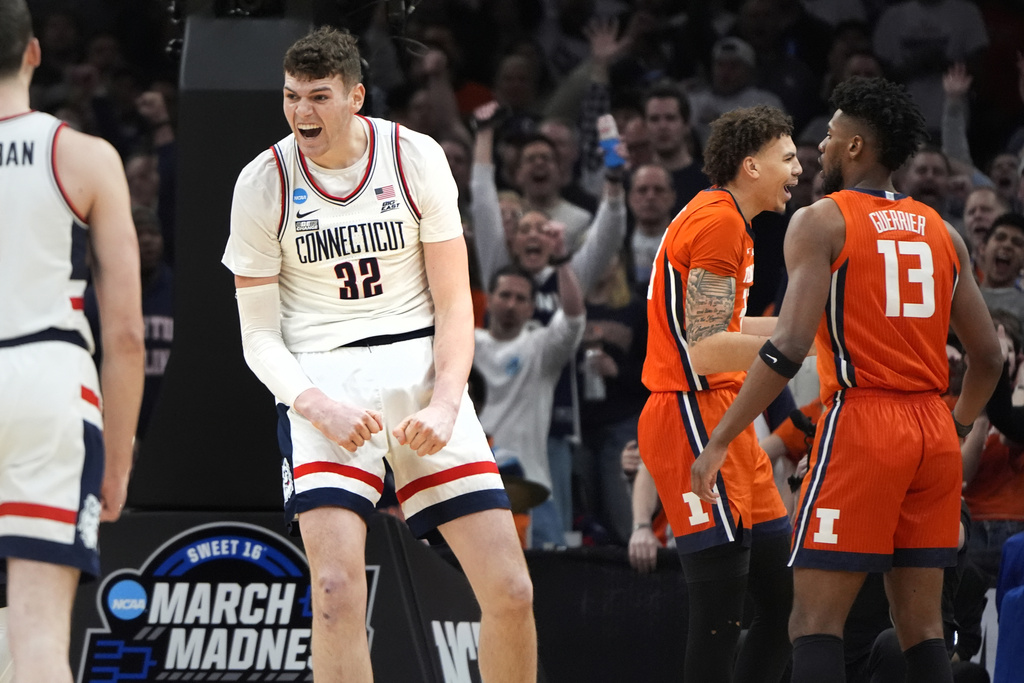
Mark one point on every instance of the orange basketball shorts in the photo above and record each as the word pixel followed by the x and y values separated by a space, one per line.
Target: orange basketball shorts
pixel 673 430
pixel 883 488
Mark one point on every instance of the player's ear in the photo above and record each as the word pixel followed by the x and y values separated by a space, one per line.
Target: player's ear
pixel 356 97
pixel 856 146
pixel 33 53
pixel 750 167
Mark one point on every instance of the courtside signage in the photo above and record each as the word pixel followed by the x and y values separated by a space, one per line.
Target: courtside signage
pixel 224 601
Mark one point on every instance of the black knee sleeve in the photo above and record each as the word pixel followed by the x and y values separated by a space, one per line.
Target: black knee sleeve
pixel 818 658
pixel 716 579
pixel 766 651
pixel 928 662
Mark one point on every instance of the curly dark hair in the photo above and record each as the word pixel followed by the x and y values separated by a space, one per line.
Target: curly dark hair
pixel 887 108
pixel 739 134
pixel 324 53
pixel 15 32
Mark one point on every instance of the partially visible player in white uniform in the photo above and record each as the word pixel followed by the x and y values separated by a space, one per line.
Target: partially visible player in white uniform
pixel 353 294
pixel 59 191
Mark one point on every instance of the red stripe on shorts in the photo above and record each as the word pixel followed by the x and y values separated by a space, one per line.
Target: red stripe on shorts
pixel 77 303
pixel 344 470
pixel 438 478
pixel 39 512
pixel 90 396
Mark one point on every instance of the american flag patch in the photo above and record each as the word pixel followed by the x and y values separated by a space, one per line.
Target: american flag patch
pixel 386 192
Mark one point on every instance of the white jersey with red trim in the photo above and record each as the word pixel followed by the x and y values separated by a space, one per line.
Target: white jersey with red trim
pixel 42 242
pixel 346 244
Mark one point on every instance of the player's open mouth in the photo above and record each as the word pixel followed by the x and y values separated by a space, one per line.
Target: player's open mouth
pixel 788 189
pixel 308 130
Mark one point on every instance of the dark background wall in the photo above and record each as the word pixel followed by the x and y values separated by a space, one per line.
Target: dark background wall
pixel 212 440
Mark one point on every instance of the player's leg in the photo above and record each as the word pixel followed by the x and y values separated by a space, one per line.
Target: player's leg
pixel 716 581
pixel 849 512
pixel 332 491
pixel 766 649
pixel 6 663
pixel 39 597
pixel 821 600
pixel 335 540
pixel 672 428
pixel 487 546
pixel 926 540
pixel 915 600
pixel 886 661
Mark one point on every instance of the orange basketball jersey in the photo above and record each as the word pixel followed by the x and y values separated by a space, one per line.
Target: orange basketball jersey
pixel 709 233
pixel 887 315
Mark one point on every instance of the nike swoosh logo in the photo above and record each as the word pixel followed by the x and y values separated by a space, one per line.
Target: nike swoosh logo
pixel 774 359
pixel 299 214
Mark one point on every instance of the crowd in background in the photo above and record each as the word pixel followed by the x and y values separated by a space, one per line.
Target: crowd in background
pixel 562 233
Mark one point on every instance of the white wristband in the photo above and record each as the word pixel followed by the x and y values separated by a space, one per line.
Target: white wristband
pixel 259 314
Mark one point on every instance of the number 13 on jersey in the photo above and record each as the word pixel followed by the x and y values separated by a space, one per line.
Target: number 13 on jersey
pixel 922 275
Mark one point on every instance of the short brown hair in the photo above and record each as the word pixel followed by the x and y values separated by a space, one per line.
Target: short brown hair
pixel 15 33
pixel 738 134
pixel 324 53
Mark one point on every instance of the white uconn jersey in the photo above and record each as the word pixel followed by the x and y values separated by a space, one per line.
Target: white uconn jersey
pixel 42 242
pixel 346 243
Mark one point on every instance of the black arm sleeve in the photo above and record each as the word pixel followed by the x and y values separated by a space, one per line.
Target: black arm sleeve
pixel 1003 415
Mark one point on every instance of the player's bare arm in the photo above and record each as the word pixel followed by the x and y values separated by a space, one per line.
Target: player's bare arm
pixel 970 320
pixel 259 307
pixel 643 544
pixel 428 430
pixel 93 177
pixel 758 325
pixel 814 237
pixel 763 326
pixel 710 299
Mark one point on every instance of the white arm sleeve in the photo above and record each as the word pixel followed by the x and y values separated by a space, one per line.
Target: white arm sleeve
pixel 259 312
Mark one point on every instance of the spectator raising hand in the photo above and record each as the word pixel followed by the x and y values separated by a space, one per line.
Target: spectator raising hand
pixel 605 45
pixel 956 82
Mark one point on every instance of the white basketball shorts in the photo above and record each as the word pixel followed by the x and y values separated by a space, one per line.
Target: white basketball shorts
pixel 395 380
pixel 51 455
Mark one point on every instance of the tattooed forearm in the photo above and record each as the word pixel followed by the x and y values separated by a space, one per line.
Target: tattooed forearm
pixel 710 300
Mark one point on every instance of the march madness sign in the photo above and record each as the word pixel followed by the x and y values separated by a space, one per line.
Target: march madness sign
pixel 225 601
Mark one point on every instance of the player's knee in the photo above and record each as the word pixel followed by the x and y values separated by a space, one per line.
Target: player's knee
pixel 512 595
pixel 719 626
pixel 806 623
pixel 339 593
pixel 911 631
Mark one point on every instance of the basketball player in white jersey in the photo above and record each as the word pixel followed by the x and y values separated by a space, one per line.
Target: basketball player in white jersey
pixel 59 191
pixel 353 294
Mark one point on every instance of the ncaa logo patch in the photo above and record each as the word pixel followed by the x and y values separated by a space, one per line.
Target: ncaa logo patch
pixel 299 195
pixel 127 600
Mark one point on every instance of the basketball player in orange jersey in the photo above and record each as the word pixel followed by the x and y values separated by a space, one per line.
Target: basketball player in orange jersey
pixel 881 277
pixel 698 347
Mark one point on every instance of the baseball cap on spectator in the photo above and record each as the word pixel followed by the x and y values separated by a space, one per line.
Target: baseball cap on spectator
pixel 734 48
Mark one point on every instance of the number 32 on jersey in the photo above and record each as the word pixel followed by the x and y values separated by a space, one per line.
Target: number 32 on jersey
pixel 359 279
